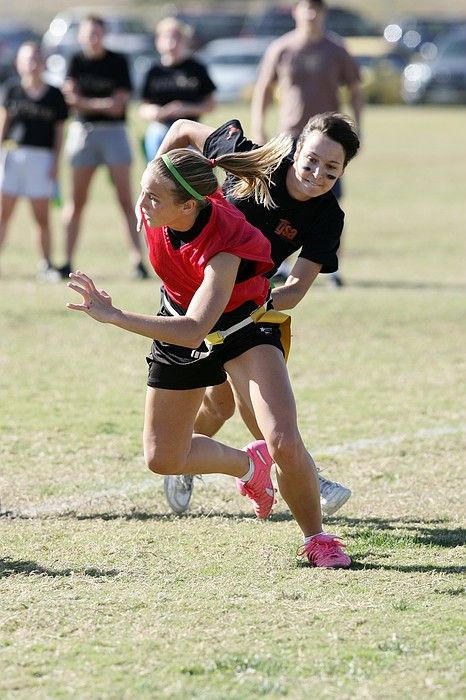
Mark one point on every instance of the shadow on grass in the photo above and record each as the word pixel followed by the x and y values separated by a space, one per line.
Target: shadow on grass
pixel 424 532
pixel 140 515
pixel 403 284
pixel 358 565
pixel 417 531
pixel 407 568
pixel 373 535
pixel 190 515
pixel 11 567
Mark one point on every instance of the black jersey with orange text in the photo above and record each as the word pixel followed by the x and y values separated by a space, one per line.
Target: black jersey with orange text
pixel 32 122
pixel 100 77
pixel 187 81
pixel 313 227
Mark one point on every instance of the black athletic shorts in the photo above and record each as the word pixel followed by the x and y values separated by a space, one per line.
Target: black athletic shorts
pixel 177 367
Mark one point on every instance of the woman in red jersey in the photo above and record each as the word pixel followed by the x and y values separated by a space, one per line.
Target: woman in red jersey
pixel 215 317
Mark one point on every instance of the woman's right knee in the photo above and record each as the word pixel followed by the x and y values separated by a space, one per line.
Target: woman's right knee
pixel 287 449
pixel 162 461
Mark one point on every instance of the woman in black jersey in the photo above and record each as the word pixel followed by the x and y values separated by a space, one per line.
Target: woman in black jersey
pixel 306 219
pixel 32 115
pixel 98 89
pixel 178 86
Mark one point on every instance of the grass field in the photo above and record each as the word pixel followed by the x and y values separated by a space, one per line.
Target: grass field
pixel 105 594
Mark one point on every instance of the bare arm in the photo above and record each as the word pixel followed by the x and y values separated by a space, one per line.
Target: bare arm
pixel 357 102
pixel 4 122
pixel 57 146
pixel 150 111
pixel 184 133
pixel 113 106
pixel 262 98
pixel 297 285
pixel 206 307
pixel 179 109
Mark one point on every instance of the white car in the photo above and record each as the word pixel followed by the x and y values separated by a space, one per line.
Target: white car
pixel 233 65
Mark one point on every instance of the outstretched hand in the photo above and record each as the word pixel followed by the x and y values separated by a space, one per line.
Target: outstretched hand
pixel 96 303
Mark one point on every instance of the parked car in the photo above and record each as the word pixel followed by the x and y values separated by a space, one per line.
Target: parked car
pixel 381 68
pixel 125 33
pixel 276 21
pixel 12 35
pixel 233 65
pixel 443 79
pixel 420 35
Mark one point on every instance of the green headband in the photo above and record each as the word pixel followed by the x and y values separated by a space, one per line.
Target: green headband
pixel 180 178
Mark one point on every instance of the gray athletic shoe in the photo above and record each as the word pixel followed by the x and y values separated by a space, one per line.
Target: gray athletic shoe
pixel 178 491
pixel 332 495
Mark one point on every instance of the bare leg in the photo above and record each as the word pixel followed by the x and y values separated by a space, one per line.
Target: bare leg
pixel 260 376
pixel 81 178
pixel 218 405
pixel 7 205
pixel 247 415
pixel 120 178
pixel 40 210
pixel 169 444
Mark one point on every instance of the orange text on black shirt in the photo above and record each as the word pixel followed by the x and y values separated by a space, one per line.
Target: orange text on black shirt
pixel 285 230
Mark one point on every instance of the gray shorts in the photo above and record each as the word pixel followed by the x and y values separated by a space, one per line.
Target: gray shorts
pixel 25 172
pixel 89 144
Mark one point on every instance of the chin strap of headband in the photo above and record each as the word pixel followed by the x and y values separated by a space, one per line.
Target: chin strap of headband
pixel 180 178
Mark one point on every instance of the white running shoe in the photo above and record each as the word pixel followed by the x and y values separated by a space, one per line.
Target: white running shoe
pixel 178 491
pixel 332 495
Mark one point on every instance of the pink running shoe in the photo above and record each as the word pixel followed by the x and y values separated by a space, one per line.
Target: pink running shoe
pixel 325 551
pixel 260 488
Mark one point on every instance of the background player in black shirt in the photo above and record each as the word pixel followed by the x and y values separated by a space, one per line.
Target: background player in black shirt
pixel 98 88
pixel 178 87
pixel 32 116
pixel 306 219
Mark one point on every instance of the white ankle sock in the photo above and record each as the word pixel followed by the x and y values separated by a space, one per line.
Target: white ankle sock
pixel 309 537
pixel 250 472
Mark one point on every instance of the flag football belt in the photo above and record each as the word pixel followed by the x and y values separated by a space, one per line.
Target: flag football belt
pixel 260 315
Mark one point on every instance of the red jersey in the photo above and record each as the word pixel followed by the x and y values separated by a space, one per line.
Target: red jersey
pixel 227 231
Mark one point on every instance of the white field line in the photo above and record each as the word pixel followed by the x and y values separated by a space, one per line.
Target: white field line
pixel 365 443
pixel 72 504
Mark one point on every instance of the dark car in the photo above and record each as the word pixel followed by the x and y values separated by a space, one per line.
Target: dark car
pixel 12 35
pixel 441 80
